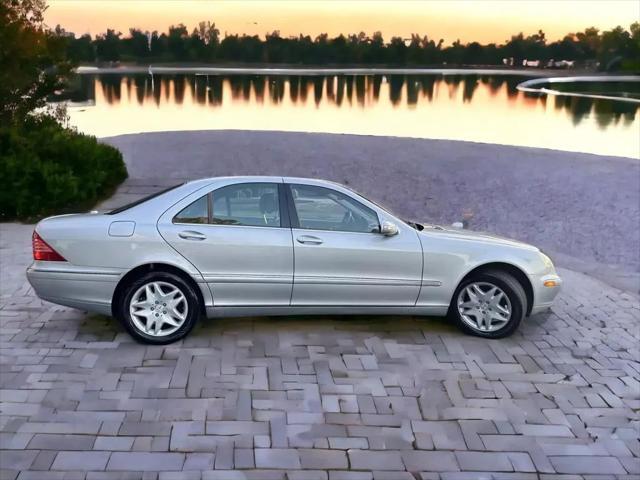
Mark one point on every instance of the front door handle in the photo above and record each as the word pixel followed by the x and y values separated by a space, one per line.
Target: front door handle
pixel 191 235
pixel 309 240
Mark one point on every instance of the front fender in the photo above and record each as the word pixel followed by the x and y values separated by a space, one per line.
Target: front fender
pixel 448 260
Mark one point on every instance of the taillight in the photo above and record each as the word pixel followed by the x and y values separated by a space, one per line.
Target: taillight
pixel 42 251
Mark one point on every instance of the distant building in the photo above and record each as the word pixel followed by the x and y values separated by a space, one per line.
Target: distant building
pixel 560 63
pixel 564 64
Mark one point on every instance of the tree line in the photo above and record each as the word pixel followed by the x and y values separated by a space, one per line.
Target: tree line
pixel 618 47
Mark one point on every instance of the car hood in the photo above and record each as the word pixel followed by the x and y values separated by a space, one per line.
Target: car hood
pixel 470 235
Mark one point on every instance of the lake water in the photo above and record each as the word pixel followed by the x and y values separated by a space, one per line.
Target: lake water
pixel 479 108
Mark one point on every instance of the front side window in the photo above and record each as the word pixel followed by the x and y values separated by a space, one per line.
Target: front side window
pixel 197 212
pixel 251 204
pixel 320 208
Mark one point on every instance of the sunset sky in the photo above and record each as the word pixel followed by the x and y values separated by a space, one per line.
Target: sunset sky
pixel 482 20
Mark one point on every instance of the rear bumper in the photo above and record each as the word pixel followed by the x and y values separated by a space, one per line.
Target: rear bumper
pixel 75 287
pixel 543 295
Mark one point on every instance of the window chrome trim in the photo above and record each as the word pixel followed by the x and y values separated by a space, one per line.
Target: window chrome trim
pixel 340 231
pixel 235 226
pixel 247 278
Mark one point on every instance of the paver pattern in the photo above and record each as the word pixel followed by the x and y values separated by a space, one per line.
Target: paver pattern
pixel 318 397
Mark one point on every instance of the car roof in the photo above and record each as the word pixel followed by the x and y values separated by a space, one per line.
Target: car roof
pixel 261 178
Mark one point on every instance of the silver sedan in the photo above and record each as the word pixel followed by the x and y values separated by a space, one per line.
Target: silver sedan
pixel 235 246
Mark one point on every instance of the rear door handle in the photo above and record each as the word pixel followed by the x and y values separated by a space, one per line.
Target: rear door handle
pixel 309 240
pixel 192 235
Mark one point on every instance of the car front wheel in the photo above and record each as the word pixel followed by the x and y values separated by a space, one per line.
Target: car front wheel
pixel 159 308
pixel 489 304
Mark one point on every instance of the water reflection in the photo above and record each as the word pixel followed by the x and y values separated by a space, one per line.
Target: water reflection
pixel 359 90
pixel 480 97
pixel 606 112
pixel 208 89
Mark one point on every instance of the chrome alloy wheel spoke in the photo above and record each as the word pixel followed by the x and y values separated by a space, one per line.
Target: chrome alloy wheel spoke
pixel 484 306
pixel 158 308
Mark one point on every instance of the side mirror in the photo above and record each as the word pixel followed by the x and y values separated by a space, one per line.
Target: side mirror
pixel 388 229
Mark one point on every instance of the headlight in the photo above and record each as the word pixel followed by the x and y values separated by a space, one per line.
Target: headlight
pixel 547 261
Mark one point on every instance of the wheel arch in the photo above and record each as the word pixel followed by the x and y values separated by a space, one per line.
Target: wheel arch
pixel 515 271
pixel 145 268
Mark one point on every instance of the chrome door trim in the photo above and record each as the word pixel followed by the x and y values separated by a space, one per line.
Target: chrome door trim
pixel 317 280
pixel 241 278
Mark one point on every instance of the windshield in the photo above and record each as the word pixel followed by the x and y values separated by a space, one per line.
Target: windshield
pixel 377 204
pixel 142 200
pixel 414 225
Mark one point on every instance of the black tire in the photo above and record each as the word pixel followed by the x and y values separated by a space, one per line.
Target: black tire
pixel 193 312
pixel 513 290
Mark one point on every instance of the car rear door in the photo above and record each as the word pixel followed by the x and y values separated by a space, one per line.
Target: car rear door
pixel 238 236
pixel 341 258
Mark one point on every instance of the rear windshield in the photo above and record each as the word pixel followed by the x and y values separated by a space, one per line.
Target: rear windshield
pixel 142 200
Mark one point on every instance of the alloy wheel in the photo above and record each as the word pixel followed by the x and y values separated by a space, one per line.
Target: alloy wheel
pixel 158 309
pixel 484 307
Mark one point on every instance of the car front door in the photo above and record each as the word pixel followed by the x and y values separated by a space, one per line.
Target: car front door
pixel 238 236
pixel 342 259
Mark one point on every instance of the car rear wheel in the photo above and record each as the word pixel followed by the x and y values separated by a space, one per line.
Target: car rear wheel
pixel 159 308
pixel 489 304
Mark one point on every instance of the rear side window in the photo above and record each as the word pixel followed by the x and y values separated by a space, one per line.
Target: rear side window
pixel 250 204
pixel 246 204
pixel 197 212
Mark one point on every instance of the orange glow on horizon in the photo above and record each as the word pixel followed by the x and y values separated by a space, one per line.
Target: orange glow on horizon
pixel 485 21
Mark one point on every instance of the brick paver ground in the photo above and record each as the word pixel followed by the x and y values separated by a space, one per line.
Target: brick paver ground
pixel 319 397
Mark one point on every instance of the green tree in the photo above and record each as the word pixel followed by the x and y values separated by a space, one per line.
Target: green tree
pixel 532 47
pixel 455 53
pixel 32 59
pixel 321 49
pixel 137 44
pixel 589 42
pixel 373 50
pixel 81 49
pixel 45 167
pixel 108 46
pixel 177 42
pixel 275 48
pixel 414 51
pixel 396 51
pixel 159 45
pixel 635 36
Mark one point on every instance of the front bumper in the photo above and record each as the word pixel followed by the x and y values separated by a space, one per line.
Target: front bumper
pixel 544 295
pixel 71 286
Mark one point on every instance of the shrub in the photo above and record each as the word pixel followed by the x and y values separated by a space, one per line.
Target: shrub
pixel 46 168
